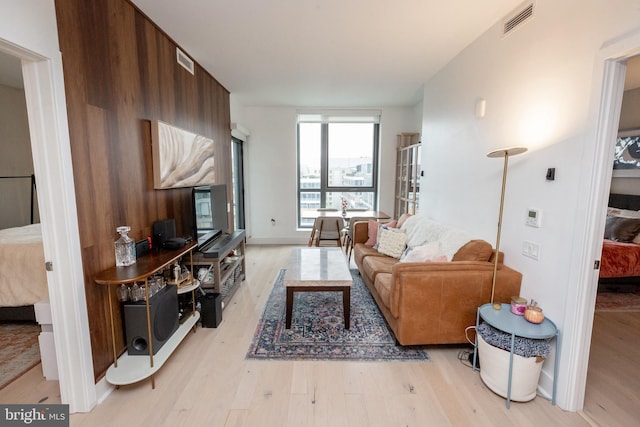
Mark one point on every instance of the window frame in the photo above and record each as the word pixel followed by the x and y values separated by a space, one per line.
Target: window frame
pixel 324 188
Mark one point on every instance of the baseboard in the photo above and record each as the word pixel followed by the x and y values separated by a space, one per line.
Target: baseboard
pixel 103 390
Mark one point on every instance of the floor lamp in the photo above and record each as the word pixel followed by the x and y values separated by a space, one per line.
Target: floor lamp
pixel 506 153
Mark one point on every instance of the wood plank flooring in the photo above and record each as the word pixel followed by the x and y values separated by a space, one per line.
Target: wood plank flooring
pixel 208 382
pixel 612 396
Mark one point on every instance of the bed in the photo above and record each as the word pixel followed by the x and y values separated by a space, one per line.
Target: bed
pixel 620 259
pixel 23 280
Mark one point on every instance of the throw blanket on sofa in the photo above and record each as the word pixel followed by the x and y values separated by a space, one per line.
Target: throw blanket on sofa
pixel 421 231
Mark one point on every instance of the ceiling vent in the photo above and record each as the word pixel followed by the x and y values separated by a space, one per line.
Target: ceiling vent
pixel 518 18
pixel 184 61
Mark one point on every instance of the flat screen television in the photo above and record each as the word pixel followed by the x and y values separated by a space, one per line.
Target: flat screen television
pixel 209 213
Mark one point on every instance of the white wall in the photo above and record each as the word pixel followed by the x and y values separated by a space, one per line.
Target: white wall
pixel 542 84
pixel 16 160
pixel 270 168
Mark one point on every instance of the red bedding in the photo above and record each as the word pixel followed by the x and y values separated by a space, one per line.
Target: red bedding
pixel 619 259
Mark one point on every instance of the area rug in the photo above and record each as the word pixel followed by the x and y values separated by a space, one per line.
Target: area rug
pixel 617 301
pixel 317 328
pixel 19 350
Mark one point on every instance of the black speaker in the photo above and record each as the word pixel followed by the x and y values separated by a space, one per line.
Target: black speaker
pixel 163 231
pixel 211 310
pixel 163 312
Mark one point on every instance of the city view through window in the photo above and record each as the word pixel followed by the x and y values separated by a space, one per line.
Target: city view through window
pixel 336 164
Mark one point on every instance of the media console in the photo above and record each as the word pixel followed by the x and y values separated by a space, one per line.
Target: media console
pixel 128 368
pixel 226 256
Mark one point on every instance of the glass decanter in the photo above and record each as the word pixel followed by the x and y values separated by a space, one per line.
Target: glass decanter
pixel 125 248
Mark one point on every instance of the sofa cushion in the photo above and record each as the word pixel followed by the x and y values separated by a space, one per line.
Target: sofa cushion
pixel 372 265
pixel 474 250
pixel 360 252
pixel 391 242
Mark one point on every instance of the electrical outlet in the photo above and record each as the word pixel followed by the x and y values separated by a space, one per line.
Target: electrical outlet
pixel 531 250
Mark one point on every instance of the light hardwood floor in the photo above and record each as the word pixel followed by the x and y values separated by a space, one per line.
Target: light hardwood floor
pixel 208 382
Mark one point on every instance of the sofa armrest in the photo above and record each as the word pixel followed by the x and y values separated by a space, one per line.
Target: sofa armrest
pixel 360 232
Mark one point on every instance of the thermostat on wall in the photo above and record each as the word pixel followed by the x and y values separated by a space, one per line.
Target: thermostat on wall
pixel 533 218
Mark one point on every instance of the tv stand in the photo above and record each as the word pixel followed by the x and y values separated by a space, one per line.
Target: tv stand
pixel 226 256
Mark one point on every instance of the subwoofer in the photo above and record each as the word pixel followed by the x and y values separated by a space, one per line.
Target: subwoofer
pixel 163 312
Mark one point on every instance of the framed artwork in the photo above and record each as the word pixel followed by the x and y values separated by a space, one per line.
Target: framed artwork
pixel 181 158
pixel 626 162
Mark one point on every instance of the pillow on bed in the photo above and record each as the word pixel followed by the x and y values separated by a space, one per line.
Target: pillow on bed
pixel 624 213
pixel 621 229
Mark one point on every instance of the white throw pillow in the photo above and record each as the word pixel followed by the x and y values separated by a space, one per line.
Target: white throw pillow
pixel 391 242
pixel 428 252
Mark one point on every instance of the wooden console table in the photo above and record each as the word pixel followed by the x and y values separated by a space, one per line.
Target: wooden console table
pixel 128 369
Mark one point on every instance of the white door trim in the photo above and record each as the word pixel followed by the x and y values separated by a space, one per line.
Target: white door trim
pixel 49 132
pixel 609 72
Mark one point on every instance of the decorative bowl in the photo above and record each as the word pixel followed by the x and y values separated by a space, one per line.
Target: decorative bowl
pixel 534 314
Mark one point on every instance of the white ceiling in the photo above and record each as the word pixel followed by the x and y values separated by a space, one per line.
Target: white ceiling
pixel 329 53
pixel 325 52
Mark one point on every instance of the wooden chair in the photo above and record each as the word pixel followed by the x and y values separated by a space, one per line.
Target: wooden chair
pixel 348 233
pixel 326 229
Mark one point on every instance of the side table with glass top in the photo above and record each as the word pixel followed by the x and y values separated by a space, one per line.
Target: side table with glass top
pixel 515 325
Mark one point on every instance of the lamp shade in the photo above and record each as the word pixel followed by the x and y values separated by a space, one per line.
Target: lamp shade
pixel 502 152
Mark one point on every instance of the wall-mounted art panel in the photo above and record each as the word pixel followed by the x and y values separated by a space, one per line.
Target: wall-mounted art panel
pixel 181 158
pixel 626 162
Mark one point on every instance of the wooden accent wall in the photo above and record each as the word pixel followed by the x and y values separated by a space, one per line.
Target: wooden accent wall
pixel 120 73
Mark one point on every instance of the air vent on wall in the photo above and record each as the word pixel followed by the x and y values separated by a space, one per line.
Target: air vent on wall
pixel 520 17
pixel 184 61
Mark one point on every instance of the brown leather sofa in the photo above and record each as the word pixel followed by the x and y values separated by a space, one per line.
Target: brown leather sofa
pixel 433 302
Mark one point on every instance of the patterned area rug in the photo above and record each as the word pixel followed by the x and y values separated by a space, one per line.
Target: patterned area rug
pixel 19 350
pixel 317 328
pixel 617 301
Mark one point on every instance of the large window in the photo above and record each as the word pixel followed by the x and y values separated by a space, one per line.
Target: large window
pixel 337 159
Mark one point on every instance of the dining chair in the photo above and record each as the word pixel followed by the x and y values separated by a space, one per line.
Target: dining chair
pixel 348 233
pixel 326 229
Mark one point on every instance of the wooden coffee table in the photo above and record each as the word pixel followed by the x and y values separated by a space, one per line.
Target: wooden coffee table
pixel 318 270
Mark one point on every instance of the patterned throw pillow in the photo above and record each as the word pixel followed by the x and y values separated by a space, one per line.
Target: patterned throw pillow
pixel 391 242
pixel 373 231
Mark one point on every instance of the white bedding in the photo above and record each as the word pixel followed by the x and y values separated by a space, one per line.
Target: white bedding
pixel 23 279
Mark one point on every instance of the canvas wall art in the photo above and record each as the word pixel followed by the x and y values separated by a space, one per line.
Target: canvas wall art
pixel 626 162
pixel 181 158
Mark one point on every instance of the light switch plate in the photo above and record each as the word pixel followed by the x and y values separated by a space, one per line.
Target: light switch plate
pixel 531 250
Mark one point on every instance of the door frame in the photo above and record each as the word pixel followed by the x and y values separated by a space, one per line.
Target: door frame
pixel 49 133
pixel 608 88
